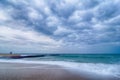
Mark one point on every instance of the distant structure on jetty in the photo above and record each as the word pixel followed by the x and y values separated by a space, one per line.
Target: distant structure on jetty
pixel 11 52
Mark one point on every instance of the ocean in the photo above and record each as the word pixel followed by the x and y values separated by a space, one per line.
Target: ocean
pixel 82 58
pixel 99 64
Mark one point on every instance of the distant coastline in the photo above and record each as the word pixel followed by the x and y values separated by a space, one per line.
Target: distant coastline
pixel 8 55
pixel 2 55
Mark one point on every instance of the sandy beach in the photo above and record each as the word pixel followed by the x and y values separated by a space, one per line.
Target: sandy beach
pixel 23 71
pixel 19 71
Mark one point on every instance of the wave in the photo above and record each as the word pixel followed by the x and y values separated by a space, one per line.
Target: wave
pixel 89 68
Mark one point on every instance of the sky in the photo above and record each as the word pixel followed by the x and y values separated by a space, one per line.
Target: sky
pixel 60 26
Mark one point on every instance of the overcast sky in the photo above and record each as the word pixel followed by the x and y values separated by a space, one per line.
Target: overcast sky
pixel 60 26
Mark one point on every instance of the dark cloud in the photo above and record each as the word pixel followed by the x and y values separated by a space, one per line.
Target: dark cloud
pixel 73 22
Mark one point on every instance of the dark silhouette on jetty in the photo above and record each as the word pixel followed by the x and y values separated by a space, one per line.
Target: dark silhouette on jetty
pixel 18 56
pixel 31 56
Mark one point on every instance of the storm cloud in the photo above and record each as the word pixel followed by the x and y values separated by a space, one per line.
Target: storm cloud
pixel 59 25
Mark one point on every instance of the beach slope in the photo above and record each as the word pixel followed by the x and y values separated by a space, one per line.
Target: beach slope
pixel 21 71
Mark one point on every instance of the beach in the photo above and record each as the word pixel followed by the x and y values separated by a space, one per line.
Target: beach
pixel 25 71
pixel 21 71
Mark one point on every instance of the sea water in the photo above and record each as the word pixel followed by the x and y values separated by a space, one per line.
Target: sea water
pixel 99 64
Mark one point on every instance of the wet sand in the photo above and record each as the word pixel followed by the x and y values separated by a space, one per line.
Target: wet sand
pixel 22 71
pixel 19 71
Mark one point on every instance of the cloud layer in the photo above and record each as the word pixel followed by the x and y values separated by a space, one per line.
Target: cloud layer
pixel 59 25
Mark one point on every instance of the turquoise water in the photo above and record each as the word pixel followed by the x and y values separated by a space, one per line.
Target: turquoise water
pixel 83 58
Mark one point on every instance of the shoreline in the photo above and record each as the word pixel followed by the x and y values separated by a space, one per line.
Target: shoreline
pixel 18 70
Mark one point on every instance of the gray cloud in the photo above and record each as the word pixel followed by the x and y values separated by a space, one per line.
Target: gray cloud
pixel 70 22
